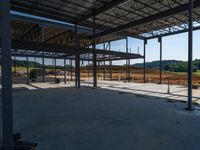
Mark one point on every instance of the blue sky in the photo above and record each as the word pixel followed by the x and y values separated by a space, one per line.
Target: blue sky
pixel 174 47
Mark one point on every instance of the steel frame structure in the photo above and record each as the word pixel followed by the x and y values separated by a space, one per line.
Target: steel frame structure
pixel 66 29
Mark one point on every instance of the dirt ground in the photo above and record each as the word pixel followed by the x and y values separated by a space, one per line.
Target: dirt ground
pixel 119 73
pixel 137 75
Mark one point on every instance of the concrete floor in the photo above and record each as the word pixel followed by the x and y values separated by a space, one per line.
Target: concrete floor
pixel 177 92
pixel 102 119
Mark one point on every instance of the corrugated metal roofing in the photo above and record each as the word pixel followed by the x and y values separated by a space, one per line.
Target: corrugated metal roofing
pixel 127 11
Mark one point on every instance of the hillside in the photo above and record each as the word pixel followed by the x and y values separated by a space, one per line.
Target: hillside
pixel 24 63
pixel 171 65
pixel 155 64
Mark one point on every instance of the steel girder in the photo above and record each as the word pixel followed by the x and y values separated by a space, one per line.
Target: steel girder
pixel 148 19
pixel 102 9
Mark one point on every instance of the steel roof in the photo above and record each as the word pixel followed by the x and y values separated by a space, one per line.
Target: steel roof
pixel 112 14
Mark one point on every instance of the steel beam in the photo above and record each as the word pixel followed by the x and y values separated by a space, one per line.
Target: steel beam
pixel 110 62
pixel 157 16
pixel 55 70
pixel 7 104
pixel 47 22
pixel 173 33
pixel 76 56
pixel 56 21
pixel 69 51
pixel 77 63
pixel 160 63
pixel 126 58
pixel 145 43
pixel 190 51
pixel 104 71
pixel 27 70
pixel 71 70
pixel 35 62
pixel 15 70
pixel 32 55
pixel 105 7
pixel 31 34
pixel 65 79
pixel 94 56
pixel 43 67
pixel 127 63
pixel 98 75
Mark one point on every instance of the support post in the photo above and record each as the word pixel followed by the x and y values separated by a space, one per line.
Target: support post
pixel 129 70
pixel 35 61
pixel 145 42
pixel 98 70
pixel 110 62
pixel 15 70
pixel 190 46
pixel 76 56
pixel 126 58
pixel 77 63
pixel 127 63
pixel 7 104
pixel 76 73
pixel 71 69
pixel 160 65
pixel 43 68
pixel 94 56
pixel 55 74
pixel 27 70
pixel 88 67
pixel 65 79
pixel 104 71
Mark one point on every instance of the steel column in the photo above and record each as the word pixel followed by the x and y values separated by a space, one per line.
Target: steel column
pixel 104 71
pixel 15 70
pixel 75 73
pixel 126 58
pixel 77 59
pixel 88 66
pixel 160 65
pixel 98 63
pixel 55 69
pixel 65 80
pixel 190 46
pixel 110 62
pixel 7 104
pixel 78 63
pixel 78 56
pixel 43 68
pixel 71 69
pixel 145 42
pixel 35 61
pixel 127 63
pixel 94 56
pixel 27 70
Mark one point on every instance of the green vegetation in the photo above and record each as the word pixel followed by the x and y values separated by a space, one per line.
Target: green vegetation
pixel 22 64
pixel 173 65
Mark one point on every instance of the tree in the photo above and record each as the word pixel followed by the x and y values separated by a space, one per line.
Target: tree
pixel 166 67
pixel 32 75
